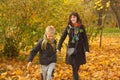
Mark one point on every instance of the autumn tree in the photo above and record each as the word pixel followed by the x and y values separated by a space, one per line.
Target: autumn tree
pixel 115 7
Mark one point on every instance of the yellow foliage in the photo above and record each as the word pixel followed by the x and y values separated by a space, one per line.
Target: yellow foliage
pixel 108 4
pixel 102 64
pixel 19 72
pixel 3 75
pixel 66 1
pixel 98 2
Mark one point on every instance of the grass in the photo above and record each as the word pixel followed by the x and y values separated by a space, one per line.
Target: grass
pixel 111 32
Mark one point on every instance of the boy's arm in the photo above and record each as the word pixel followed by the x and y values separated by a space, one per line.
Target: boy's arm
pixel 34 51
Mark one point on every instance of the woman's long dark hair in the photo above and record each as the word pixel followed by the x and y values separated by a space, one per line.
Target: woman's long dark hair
pixel 78 18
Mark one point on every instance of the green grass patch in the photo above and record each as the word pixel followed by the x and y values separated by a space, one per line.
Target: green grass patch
pixel 111 32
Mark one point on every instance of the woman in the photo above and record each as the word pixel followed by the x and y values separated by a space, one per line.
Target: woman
pixel 78 40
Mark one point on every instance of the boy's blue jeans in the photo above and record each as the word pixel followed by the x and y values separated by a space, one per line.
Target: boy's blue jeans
pixel 47 71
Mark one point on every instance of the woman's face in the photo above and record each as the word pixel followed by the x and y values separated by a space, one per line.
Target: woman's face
pixel 73 19
pixel 50 36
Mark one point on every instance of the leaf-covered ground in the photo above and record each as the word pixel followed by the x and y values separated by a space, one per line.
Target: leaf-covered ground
pixel 102 64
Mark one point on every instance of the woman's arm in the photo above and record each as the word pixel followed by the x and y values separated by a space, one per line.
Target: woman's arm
pixel 64 34
pixel 86 45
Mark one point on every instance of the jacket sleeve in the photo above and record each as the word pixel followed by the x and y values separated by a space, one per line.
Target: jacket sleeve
pixel 34 51
pixel 64 34
pixel 86 45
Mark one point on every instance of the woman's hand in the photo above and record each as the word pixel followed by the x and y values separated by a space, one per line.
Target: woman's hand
pixel 57 51
pixel 29 64
pixel 86 53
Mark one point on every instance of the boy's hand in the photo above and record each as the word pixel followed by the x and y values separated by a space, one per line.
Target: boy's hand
pixel 28 65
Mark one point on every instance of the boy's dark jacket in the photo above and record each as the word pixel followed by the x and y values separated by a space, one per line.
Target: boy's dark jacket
pixel 45 56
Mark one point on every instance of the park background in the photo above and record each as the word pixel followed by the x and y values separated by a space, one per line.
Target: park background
pixel 22 24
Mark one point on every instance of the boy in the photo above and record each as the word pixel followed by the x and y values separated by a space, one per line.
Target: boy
pixel 47 53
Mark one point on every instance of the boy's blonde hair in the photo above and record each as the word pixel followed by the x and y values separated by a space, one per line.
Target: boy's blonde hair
pixel 50 30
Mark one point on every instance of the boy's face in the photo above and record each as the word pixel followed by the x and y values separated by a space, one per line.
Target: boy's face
pixel 73 19
pixel 50 36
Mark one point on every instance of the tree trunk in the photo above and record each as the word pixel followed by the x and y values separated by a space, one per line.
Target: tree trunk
pixel 101 33
pixel 116 18
pixel 115 10
pixel 118 21
pixel 102 26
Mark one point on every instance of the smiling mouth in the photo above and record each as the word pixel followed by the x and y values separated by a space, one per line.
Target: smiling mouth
pixel 73 21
